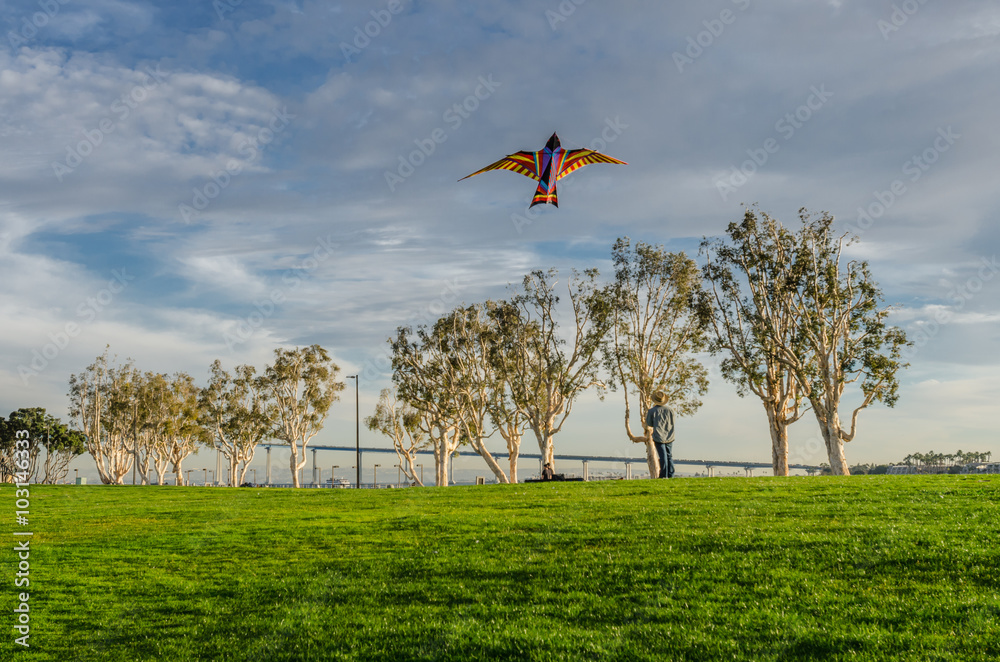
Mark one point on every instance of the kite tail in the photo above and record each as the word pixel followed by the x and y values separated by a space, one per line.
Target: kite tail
pixel 543 196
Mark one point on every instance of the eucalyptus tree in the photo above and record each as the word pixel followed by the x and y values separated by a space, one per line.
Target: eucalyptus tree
pixel 9 439
pixel 185 433
pixel 142 403
pixel 424 377
pixel 62 445
pixel 842 334
pixel 401 423
pixel 45 432
pixel 552 372
pixel 99 405
pixel 755 322
pixel 26 419
pixel 505 333
pixel 473 374
pixel 302 386
pixel 660 321
pixel 236 413
pixel 8 446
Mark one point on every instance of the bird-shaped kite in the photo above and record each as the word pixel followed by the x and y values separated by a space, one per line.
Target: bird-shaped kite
pixel 548 166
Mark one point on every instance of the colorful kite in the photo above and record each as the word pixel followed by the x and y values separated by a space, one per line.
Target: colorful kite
pixel 548 166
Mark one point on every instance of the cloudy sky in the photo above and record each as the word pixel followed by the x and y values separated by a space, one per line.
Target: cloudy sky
pixel 188 181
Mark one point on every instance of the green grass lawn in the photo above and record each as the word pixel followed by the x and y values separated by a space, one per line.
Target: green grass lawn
pixel 860 568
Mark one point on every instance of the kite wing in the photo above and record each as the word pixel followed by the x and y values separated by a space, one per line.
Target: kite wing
pixel 525 163
pixel 577 158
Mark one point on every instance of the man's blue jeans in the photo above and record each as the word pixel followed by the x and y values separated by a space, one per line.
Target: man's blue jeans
pixel 666 454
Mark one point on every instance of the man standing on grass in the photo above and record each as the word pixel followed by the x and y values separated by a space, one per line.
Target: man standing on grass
pixel 660 421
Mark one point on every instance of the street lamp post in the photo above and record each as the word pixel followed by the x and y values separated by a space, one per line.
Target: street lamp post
pixel 254 476
pixel 206 476
pixel 333 475
pixel 357 424
pixel 189 476
pixel 421 473
pixel 375 476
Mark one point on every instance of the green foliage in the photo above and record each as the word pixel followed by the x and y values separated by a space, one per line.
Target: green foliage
pixel 300 387
pixel 235 414
pixel 844 322
pixel 303 384
pixel 45 429
pixel 869 568
pixel 61 444
pixel 752 281
pixel 554 377
pixel 660 321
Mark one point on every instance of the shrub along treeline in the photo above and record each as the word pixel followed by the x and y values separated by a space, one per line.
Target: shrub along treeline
pixel 940 462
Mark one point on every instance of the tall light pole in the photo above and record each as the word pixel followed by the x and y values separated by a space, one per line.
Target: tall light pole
pixel 357 424
pixel 206 477
pixel 375 476
pixel 189 476
pixel 421 473
pixel 333 475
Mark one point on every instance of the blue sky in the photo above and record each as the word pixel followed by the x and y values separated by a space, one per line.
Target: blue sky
pixel 219 154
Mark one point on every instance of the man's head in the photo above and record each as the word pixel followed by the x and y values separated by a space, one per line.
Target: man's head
pixel 659 397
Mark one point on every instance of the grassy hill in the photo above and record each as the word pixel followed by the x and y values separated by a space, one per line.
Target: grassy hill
pixel 860 568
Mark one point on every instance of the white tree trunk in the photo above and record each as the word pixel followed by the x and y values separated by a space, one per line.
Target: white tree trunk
pixel 652 460
pixel 441 479
pixel 779 440
pixel 491 461
pixel 830 427
pixel 295 464
pixel 513 463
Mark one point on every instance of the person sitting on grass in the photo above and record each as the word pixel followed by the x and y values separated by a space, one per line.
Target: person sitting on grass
pixel 547 473
pixel 660 421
